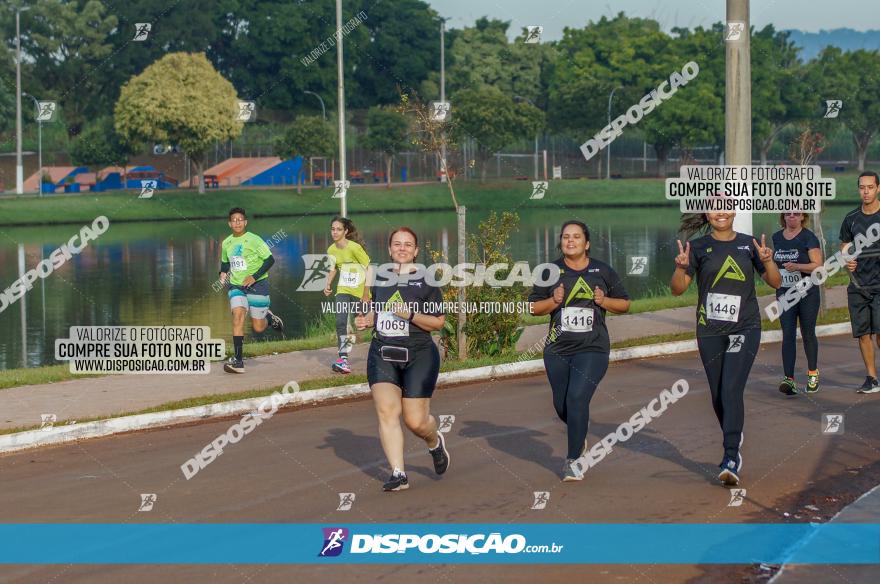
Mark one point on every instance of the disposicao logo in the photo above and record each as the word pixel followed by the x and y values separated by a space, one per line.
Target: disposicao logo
pixel 334 541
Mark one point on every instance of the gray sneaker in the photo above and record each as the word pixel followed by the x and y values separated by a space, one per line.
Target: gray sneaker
pixel 871 385
pixel 569 472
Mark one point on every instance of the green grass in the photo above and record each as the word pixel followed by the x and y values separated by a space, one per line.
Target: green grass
pixel 180 204
pixel 833 315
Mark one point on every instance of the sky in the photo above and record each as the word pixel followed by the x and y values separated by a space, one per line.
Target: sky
pixel 554 15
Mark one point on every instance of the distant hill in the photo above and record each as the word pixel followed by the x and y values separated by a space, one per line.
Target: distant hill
pixel 847 39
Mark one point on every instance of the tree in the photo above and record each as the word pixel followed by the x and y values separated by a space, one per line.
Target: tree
pixel 180 99
pixel 401 49
pixel 851 77
pixel 67 46
pixel 99 145
pixel 630 53
pixel 779 90
pixel 193 26
pixel 387 132
pixel 494 120
pixel 306 136
pixel 695 114
pixel 271 37
pixel 481 56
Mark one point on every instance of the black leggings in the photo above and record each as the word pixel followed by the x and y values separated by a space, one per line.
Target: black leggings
pixel 807 310
pixel 573 379
pixel 728 361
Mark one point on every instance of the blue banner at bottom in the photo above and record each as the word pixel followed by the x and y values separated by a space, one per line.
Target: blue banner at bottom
pixel 270 543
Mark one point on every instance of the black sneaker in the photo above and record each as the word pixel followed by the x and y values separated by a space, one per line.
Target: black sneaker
pixel 397 482
pixel 871 385
pixel 787 386
pixel 440 455
pixel 275 322
pixel 234 365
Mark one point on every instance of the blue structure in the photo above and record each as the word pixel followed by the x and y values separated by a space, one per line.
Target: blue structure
pixel 283 173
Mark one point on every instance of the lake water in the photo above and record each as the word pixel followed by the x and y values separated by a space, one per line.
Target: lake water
pixel 162 273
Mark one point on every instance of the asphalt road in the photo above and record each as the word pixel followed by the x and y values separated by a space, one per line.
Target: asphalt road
pixel 505 444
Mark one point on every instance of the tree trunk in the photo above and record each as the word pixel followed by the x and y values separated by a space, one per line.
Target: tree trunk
pixel 299 178
pixel 200 172
pixel 863 142
pixel 662 154
pixel 388 159
pixel 767 144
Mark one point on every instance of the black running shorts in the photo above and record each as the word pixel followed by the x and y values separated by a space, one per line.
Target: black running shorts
pixel 864 312
pixel 416 377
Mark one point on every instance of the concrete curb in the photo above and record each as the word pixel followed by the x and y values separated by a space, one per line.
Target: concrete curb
pixel 72 432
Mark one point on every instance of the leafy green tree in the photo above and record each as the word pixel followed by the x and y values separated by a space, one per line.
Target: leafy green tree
pixel 694 115
pixel 401 49
pixel 306 136
pixel 851 77
pixel 194 26
pixel 7 93
pixel 179 99
pixel 272 37
pixel 494 120
pixel 626 53
pixel 387 132
pixel 780 93
pixel 67 48
pixel 99 145
pixel 482 56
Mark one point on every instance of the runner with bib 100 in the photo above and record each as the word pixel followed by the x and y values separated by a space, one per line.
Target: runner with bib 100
pixel 728 320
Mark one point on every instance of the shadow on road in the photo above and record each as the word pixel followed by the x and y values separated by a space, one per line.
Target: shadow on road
pixel 516 441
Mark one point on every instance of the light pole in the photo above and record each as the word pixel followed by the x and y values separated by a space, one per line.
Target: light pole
pixel 19 168
pixel 521 98
pixel 608 148
pixel 39 143
pixel 323 111
pixel 443 168
pixel 340 90
pixel 738 98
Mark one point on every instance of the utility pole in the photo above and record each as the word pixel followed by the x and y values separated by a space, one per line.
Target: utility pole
pixel 738 97
pixel 340 86
pixel 19 168
pixel 443 166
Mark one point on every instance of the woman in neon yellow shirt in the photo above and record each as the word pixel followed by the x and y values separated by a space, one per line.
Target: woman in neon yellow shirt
pixel 351 261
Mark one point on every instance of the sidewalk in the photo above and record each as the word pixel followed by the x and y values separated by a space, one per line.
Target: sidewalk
pixel 117 394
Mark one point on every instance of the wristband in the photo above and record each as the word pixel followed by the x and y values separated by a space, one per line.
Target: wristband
pixel 412 315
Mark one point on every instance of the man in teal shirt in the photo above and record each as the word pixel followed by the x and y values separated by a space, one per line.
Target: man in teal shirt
pixel 245 260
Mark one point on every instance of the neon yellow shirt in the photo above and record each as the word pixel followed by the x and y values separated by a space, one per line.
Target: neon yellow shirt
pixel 245 255
pixel 352 262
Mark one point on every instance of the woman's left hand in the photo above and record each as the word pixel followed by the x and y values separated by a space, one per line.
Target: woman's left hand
pixel 598 296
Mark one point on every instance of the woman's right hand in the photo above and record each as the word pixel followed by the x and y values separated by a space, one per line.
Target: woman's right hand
pixel 360 322
pixel 682 260
pixel 558 294
pixel 327 290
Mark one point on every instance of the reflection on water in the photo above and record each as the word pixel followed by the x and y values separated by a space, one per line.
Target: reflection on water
pixel 161 274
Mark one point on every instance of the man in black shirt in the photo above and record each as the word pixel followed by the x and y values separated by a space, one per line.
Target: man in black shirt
pixel 863 292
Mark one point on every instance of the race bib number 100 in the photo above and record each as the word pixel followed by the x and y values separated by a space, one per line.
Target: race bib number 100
pixel 389 324
pixel 789 279
pixel 577 319
pixel 722 307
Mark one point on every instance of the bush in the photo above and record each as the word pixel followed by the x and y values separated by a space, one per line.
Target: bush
pixel 491 333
